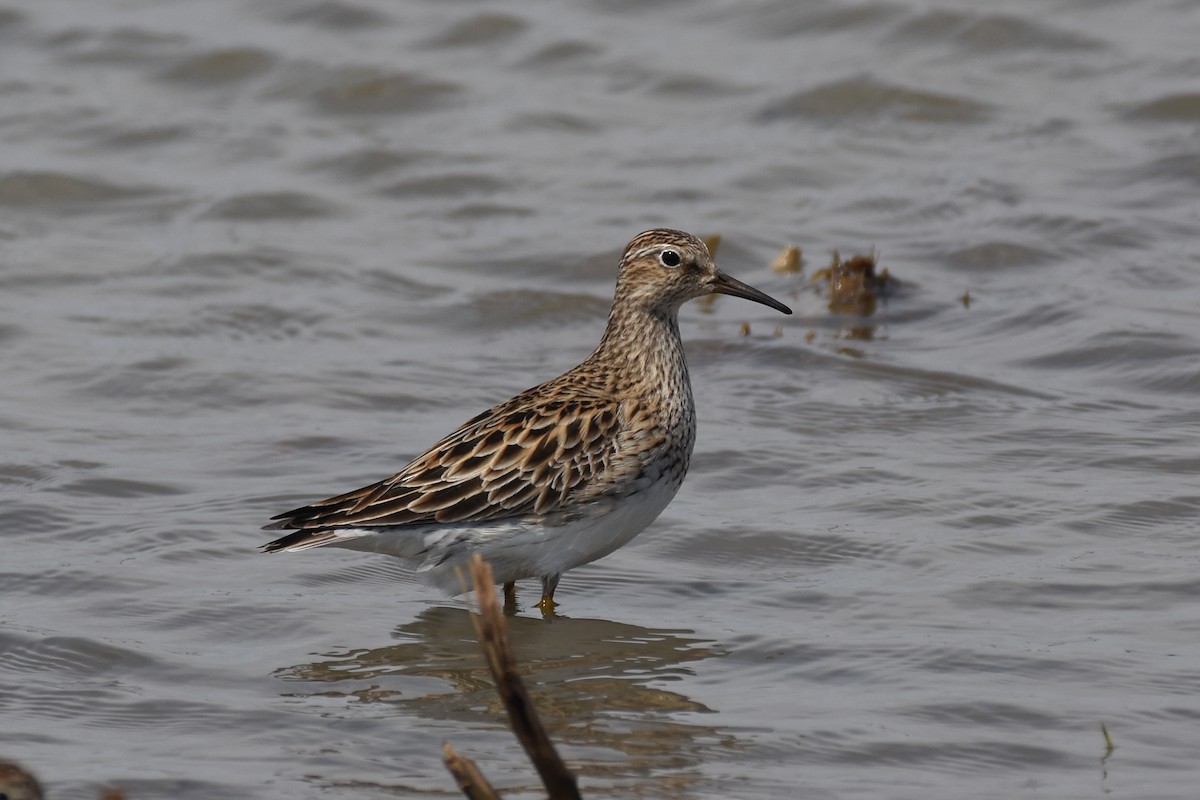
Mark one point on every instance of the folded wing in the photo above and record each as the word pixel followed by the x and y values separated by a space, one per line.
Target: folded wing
pixel 518 459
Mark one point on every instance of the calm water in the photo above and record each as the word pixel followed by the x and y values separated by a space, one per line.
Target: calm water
pixel 255 253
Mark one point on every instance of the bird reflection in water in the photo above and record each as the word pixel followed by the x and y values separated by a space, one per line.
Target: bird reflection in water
pixel 595 682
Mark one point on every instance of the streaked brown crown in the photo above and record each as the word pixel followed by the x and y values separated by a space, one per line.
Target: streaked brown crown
pixel 647 282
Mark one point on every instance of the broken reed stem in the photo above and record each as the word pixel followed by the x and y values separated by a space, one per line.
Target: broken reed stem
pixel 493 636
pixel 466 773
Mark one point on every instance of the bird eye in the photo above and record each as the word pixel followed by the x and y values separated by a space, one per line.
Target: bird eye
pixel 669 258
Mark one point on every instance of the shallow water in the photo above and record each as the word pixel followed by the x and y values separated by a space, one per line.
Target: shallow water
pixel 256 253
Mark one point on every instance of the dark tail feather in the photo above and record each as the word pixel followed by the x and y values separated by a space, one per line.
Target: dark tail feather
pixel 298 540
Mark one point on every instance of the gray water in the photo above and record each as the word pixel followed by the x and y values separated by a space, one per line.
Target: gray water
pixel 256 253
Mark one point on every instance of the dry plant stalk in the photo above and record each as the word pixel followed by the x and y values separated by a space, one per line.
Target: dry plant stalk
pixel 522 715
pixel 466 773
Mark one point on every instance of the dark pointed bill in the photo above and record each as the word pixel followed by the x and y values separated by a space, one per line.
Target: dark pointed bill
pixel 723 284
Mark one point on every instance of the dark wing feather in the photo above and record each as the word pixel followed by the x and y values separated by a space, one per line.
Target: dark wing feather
pixel 522 457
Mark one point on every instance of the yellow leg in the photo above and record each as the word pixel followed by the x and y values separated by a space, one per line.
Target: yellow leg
pixel 549 584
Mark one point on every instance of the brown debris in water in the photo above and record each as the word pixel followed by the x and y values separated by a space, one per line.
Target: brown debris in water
pixel 854 285
pixel 789 260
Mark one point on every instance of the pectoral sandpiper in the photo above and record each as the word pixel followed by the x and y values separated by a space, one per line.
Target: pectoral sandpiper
pixel 561 474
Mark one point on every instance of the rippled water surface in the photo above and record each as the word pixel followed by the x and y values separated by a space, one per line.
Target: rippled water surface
pixel 255 253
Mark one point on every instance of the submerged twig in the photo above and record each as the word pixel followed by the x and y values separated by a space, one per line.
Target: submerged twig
pixel 522 715
pixel 466 773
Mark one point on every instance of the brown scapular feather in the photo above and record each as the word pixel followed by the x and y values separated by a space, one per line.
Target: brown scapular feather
pixel 515 460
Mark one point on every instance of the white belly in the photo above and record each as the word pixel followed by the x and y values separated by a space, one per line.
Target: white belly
pixel 515 548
